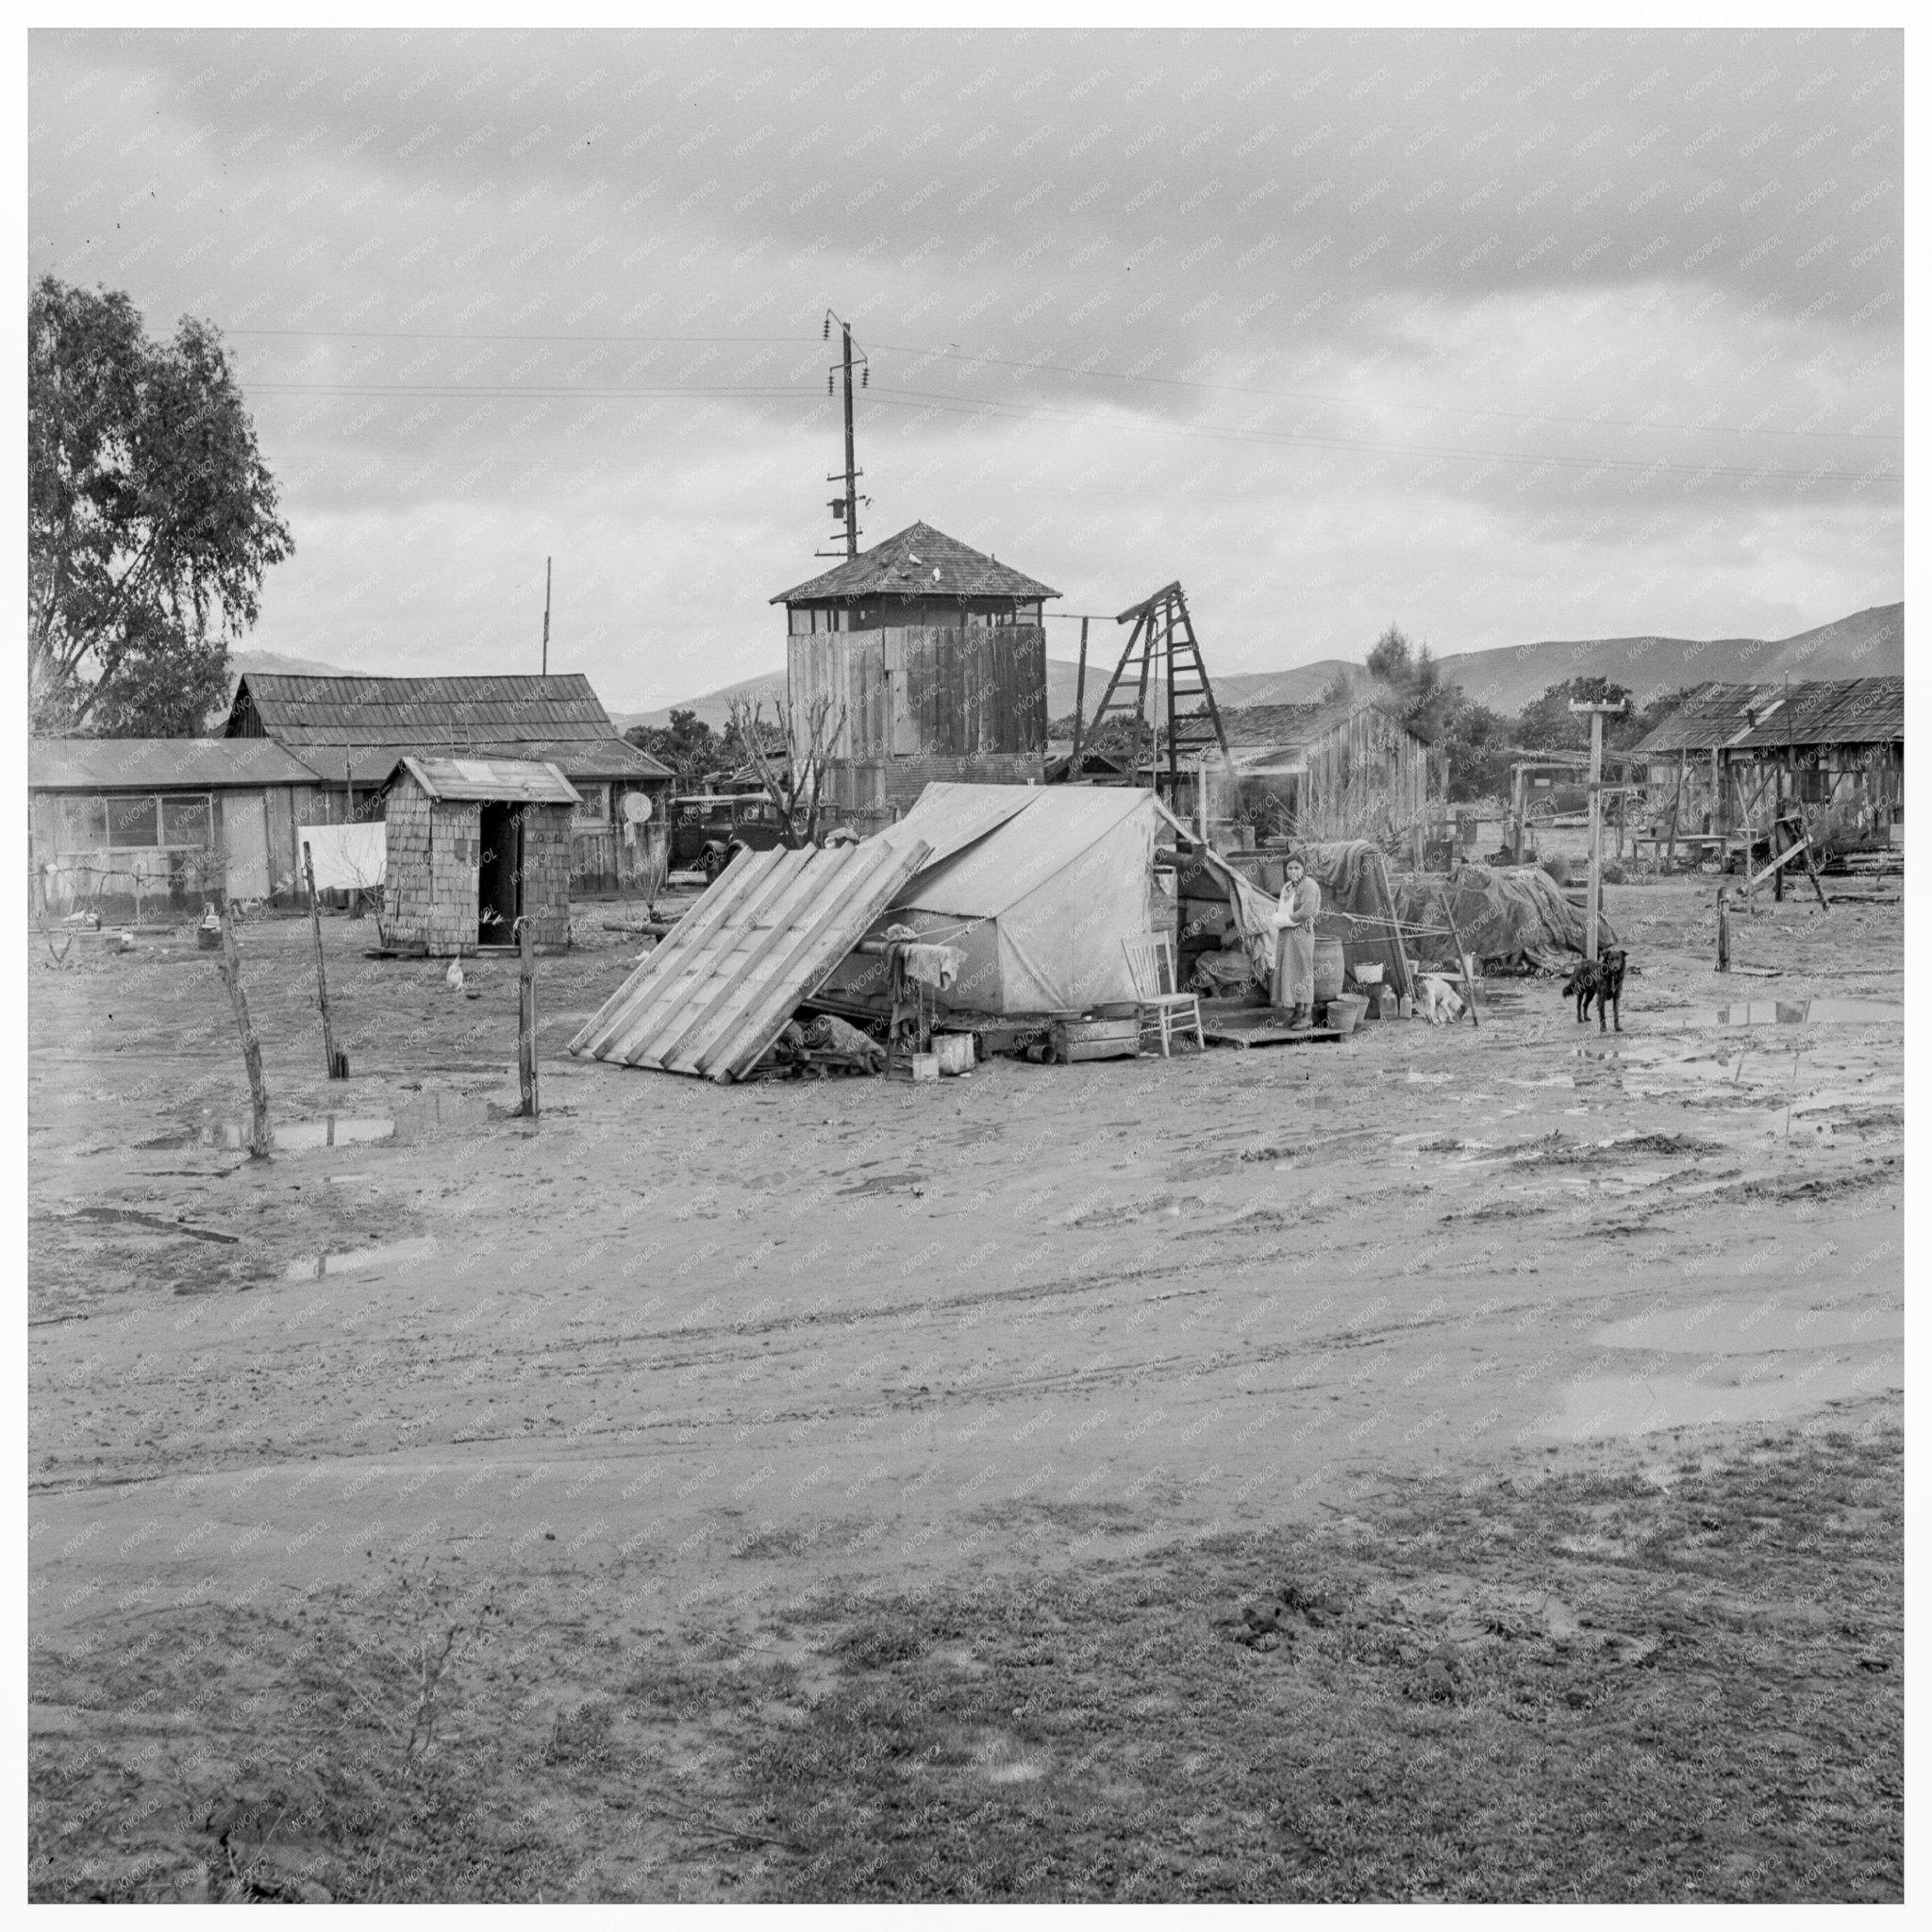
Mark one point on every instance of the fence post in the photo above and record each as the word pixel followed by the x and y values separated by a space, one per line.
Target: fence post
pixel 259 1140
pixel 527 1018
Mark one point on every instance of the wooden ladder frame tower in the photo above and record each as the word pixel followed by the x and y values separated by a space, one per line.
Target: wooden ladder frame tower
pixel 1163 630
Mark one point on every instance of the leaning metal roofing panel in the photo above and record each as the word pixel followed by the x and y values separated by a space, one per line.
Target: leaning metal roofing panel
pixel 716 994
pixel 521 781
pixel 161 764
pixel 919 561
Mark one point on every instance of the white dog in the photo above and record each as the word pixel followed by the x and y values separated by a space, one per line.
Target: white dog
pixel 1437 1001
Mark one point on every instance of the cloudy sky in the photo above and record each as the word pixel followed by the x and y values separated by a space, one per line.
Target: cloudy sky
pixel 1506 336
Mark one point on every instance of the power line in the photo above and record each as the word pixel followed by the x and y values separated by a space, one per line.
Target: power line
pixel 1077 373
pixel 939 403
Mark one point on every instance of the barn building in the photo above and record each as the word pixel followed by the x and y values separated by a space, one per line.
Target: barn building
pixel 352 730
pixel 474 845
pixel 931 658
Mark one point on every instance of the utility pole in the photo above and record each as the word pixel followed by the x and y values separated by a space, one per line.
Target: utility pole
pixel 1598 711
pixel 546 617
pixel 845 508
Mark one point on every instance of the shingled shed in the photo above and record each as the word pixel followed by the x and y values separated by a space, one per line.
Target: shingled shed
pixel 474 844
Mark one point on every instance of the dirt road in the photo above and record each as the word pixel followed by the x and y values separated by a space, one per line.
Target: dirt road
pixel 676 1354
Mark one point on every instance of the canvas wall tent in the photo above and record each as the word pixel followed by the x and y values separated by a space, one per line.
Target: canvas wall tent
pixel 1038 887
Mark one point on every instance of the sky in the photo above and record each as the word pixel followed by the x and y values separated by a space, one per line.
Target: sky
pixel 1501 336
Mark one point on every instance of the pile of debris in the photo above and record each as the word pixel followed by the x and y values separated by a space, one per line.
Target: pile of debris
pixel 1514 918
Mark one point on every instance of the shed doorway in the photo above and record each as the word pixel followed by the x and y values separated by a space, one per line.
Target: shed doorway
pixel 499 874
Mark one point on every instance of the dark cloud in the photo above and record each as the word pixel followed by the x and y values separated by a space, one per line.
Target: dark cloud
pixel 1504 334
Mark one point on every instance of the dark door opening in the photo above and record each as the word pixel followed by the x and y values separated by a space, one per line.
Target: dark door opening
pixel 500 874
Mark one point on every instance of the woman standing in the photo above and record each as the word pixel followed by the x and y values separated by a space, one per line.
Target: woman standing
pixel 1294 946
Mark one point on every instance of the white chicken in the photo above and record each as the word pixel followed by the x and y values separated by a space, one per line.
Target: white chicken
pixel 454 977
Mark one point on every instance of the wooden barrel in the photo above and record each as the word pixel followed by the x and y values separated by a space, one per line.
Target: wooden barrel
pixel 1328 968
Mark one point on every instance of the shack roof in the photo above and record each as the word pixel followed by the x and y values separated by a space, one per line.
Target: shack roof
pixel 1285 727
pixel 920 562
pixel 1852 711
pixel 559 720
pixel 161 764
pixel 521 781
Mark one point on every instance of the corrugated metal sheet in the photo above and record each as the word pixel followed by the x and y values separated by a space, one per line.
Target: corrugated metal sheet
pixel 920 561
pixel 522 781
pixel 720 989
pixel 161 764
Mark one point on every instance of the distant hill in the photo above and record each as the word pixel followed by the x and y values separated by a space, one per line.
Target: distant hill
pixel 1870 643
pixel 1303 684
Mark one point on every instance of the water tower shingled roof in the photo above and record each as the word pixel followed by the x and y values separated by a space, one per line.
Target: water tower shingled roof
pixel 920 561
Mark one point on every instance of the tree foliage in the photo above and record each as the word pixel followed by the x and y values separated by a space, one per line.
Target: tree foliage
pixel 687 744
pixel 1407 681
pixel 151 518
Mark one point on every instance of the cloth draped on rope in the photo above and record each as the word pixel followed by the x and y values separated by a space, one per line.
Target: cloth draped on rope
pixel 347 858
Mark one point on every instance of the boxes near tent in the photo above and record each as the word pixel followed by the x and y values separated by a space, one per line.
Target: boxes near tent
pixel 1095 1039
pixel 954 1052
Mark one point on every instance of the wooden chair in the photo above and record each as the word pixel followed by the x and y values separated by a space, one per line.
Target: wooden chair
pixel 1150 964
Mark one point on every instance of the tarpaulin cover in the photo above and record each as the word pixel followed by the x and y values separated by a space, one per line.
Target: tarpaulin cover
pixel 347 858
pixel 1040 901
pixel 1501 913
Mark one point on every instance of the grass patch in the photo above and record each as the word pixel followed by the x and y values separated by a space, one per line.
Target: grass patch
pixel 1582 1688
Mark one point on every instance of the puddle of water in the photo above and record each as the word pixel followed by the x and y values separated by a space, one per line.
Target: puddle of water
pixel 1640 1405
pixel 429 1117
pixel 1792 1013
pixel 313 1267
pixel 1746 1326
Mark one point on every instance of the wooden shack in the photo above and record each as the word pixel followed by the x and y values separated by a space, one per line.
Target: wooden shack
pixel 930 657
pixel 1339 769
pixel 474 845
pixel 352 730
pixel 125 825
pixel 1734 756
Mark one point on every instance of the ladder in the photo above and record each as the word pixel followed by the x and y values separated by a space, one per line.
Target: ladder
pixel 1164 634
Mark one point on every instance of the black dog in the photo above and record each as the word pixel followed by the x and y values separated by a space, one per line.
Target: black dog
pixel 1599 979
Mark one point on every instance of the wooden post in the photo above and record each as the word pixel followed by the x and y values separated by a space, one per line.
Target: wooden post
pixel 1677 805
pixel 1723 933
pixel 337 1071
pixel 1462 957
pixel 1079 706
pixel 259 1140
pixel 1593 914
pixel 526 1019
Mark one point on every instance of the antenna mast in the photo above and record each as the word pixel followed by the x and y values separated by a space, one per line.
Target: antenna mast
pixel 546 617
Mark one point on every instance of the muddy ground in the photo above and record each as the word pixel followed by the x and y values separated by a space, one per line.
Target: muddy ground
pixel 848 1489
